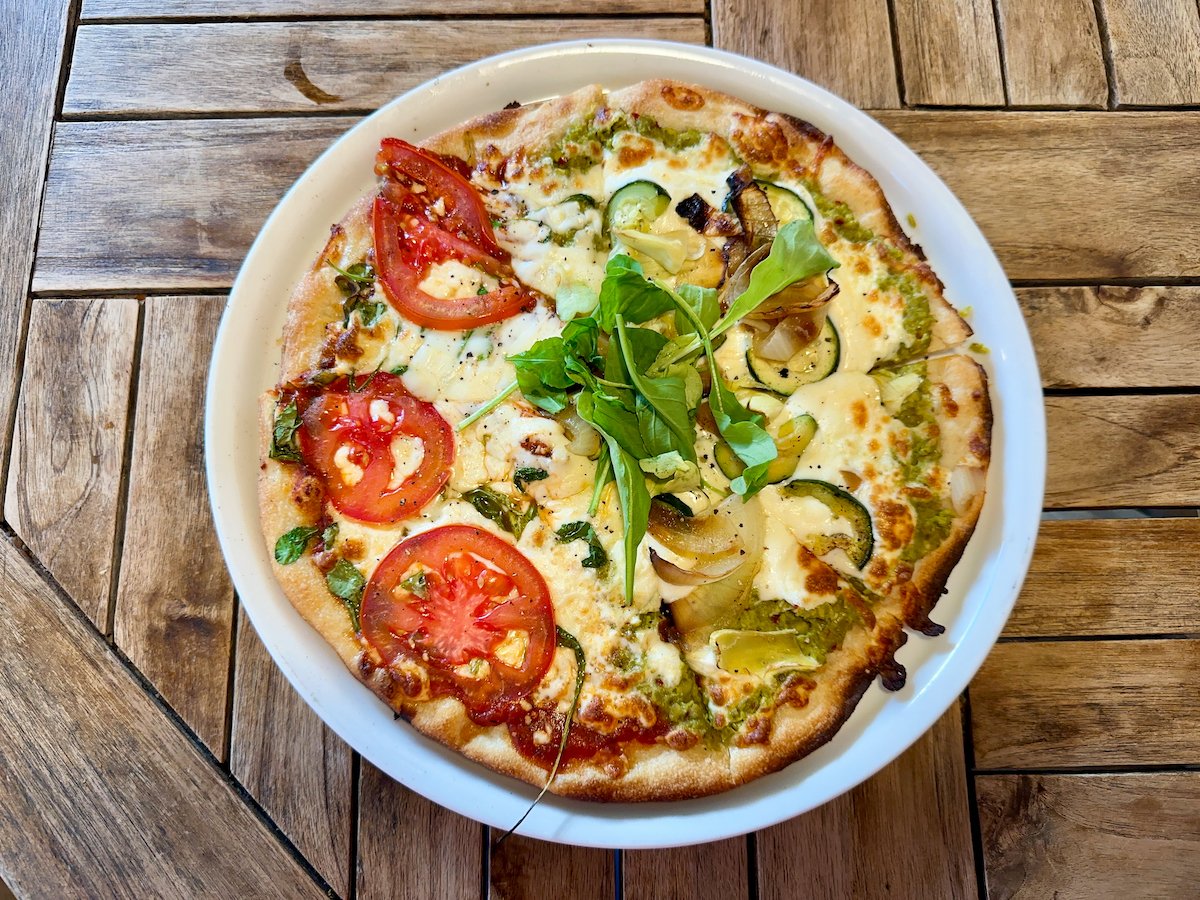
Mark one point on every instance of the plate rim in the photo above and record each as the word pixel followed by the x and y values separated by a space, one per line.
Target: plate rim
pixel 610 830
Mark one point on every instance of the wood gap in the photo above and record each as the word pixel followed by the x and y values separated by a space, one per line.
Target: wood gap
pixel 198 745
pixel 618 864
pixel 132 293
pixel 1000 52
pixel 973 804
pixel 205 116
pixel 1106 52
pixel 1092 638
pixel 135 380
pixel 1167 390
pixel 1114 281
pixel 708 29
pixel 355 780
pixel 1105 512
pixel 74 12
pixel 897 64
pixel 752 865
pixel 379 17
pixel 227 743
pixel 1137 769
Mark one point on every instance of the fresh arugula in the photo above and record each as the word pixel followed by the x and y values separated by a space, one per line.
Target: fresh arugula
pixel 345 581
pixel 525 474
pixel 625 290
pixel 283 433
pixel 583 531
pixel 509 514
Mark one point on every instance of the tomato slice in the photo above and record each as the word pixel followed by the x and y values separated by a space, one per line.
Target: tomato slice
pixel 347 436
pixel 479 593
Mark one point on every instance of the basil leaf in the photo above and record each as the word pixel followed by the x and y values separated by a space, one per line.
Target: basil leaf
pixel 346 582
pixel 795 254
pixel 358 273
pixel 603 477
pixel 583 531
pixel 283 433
pixel 291 546
pixel 525 474
pixel 501 509
pixel 329 535
pixel 626 291
pixel 416 584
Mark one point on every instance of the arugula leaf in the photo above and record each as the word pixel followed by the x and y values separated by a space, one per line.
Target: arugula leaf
pixel 583 531
pixel 283 433
pixel 603 477
pixel 502 509
pixel 359 273
pixel 416 584
pixel 346 582
pixel 291 545
pixel 703 302
pixel 400 369
pixel 666 395
pixel 625 290
pixel 795 254
pixel 635 508
pixel 542 374
pixel 613 420
pixel 525 474
pixel 487 407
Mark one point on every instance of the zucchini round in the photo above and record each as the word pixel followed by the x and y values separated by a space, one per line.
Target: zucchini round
pixel 779 469
pixel 859 545
pixel 811 363
pixel 786 204
pixel 635 205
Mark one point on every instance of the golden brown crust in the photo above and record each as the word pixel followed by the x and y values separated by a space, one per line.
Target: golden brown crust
pixel 772 142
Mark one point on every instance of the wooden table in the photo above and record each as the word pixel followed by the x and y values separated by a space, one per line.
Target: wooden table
pixel 150 745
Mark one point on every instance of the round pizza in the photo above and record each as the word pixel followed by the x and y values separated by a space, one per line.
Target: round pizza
pixel 619 438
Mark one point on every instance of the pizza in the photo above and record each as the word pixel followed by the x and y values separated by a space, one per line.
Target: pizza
pixel 619 439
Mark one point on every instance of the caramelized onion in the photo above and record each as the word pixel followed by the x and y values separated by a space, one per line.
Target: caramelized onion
pixel 966 482
pixel 581 436
pixel 673 574
pixel 707 540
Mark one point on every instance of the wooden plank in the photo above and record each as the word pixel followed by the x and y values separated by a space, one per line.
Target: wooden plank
pixel 844 45
pixel 110 223
pixel 106 791
pixel 1123 451
pixel 527 869
pixel 301 66
pixel 31 42
pixel 849 847
pixel 716 871
pixel 64 481
pixel 1052 53
pixel 1083 580
pixel 1055 704
pixel 948 53
pixel 1099 837
pixel 236 9
pixel 1155 51
pixel 290 762
pixel 1100 220
pixel 174 609
pixel 1086 337
pixel 411 849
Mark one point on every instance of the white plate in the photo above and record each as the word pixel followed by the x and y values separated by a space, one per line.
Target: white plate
pixel 981 591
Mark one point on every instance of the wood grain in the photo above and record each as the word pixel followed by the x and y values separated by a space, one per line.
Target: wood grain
pixel 234 9
pixel 716 871
pixel 1094 837
pixel 64 481
pixel 1096 703
pixel 844 45
pixel 949 53
pixel 906 833
pixel 1123 451
pixel 302 66
pixel 109 221
pixel 290 762
pixel 1052 53
pixel 527 869
pixel 1111 577
pixel 106 795
pixel 1120 206
pixel 411 849
pixel 1155 51
pixel 1114 337
pixel 174 608
pixel 31 42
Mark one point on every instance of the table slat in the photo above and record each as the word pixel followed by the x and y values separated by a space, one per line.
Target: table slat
pixel 949 53
pixel 234 9
pixel 527 869
pixel 1155 51
pixel 291 763
pixel 1123 186
pixel 1052 54
pixel 1099 837
pixel 110 794
pixel 844 45
pixel 850 847
pixel 1123 451
pixel 69 445
pixel 1114 337
pixel 31 41
pixel 715 871
pixel 411 849
pixel 1101 703
pixel 1111 577
pixel 269 67
pixel 174 607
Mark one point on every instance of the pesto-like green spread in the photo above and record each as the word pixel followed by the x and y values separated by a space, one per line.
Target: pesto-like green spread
pixel 917 408
pixel 923 452
pixel 918 318
pixel 581 144
pixel 933 522
pixel 819 629
pixel 684 704
pixel 838 214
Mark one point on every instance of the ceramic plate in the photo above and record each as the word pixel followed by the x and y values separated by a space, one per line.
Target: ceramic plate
pixel 981 590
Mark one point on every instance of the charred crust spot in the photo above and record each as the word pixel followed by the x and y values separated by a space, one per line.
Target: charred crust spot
pixel 308 494
pixel 681 739
pixel 536 446
pixel 513 104
pixel 352 549
pixel 894 523
pixel 679 97
pixel 893 674
pixel 760 140
pixel 948 403
pixel 757 731
pixel 980 445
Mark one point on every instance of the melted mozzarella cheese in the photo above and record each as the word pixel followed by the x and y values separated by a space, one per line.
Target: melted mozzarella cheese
pixel 452 279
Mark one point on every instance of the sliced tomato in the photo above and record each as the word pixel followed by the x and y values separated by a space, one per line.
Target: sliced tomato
pixel 347 436
pixel 449 598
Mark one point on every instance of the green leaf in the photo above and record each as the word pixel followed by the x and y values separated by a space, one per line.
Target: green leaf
pixel 671 472
pixel 346 582
pixel 575 300
pixel 703 302
pixel 626 291
pixel 614 421
pixel 283 433
pixel 666 395
pixel 525 474
pixel 603 477
pixel 583 531
pixel 359 273
pixel 553 367
pixel 291 546
pixel 795 254
pixel 416 584
pixel 329 535
pixel 474 417
pixel 509 514
pixel 400 369
pixel 635 508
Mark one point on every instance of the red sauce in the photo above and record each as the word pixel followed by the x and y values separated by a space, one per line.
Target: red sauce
pixel 582 742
